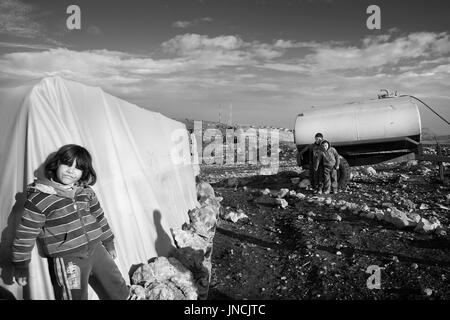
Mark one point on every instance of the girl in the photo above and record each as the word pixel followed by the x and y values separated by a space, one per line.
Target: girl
pixel 64 214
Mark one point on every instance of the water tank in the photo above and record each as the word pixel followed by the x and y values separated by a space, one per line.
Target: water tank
pixel 363 129
pixel 380 119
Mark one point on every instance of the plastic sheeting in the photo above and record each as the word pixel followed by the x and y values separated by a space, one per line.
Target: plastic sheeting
pixel 146 182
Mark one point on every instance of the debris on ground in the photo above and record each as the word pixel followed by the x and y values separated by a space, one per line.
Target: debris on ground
pixel 186 273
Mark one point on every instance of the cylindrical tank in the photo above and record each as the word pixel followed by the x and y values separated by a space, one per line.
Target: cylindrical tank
pixel 378 120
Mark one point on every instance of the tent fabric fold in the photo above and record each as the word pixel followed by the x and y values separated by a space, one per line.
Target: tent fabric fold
pixel 142 189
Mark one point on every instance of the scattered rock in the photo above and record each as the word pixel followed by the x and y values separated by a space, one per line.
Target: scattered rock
pixel 235 216
pixel 283 203
pixel 379 214
pixel 187 238
pixel 300 196
pixel 424 206
pixel 371 171
pixel 282 193
pixel 399 219
pixel 428 292
pixel 414 266
pixel 295 180
pixel 336 217
pixel 310 214
pixel 402 178
pixel 440 231
pixel 411 163
pixel 137 292
pixel 164 279
pixel 408 204
pixel 305 183
pixel 427 226
pixel 204 191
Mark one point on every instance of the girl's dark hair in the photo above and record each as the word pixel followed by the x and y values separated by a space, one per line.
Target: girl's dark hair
pixel 318 135
pixel 67 155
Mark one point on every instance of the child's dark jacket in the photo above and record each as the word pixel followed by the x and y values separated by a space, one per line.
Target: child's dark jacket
pixel 329 157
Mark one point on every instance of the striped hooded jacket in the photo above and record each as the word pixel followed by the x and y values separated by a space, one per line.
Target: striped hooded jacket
pixel 65 222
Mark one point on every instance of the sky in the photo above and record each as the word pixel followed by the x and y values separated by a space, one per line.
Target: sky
pixel 251 62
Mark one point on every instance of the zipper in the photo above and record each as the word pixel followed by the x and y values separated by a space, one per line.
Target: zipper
pixel 81 219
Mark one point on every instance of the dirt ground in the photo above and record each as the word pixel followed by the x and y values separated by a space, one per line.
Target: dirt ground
pixel 292 254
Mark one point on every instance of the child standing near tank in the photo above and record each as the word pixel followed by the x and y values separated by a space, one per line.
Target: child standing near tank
pixel 330 159
pixel 313 150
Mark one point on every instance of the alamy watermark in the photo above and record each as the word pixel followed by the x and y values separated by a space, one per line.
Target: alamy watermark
pixel 229 146
pixel 374 20
pixel 374 281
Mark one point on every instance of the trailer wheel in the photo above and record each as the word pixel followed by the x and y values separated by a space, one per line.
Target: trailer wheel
pixel 343 174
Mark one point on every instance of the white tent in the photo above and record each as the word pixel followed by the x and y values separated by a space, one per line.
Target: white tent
pixel 142 188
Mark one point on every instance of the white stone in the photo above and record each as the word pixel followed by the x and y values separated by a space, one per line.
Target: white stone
pixel 427 226
pixel 379 214
pixel 300 195
pixel 305 183
pixel 399 219
pixel 428 292
pixel 235 216
pixel 282 193
pixel 282 202
pixel 371 171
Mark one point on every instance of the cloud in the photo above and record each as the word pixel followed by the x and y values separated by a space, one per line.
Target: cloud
pixel 16 18
pixel 201 70
pixel 24 21
pixel 373 53
pixel 380 51
pixel 187 24
pixel 24 46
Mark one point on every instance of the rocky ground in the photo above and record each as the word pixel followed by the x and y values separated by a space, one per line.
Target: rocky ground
pixel 304 246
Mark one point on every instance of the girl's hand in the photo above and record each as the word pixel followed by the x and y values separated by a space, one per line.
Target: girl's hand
pixel 113 254
pixel 21 281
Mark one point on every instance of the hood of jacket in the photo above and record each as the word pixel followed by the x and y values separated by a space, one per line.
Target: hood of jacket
pixel 53 187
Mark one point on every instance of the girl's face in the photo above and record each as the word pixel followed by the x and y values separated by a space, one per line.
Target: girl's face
pixel 69 174
pixel 325 146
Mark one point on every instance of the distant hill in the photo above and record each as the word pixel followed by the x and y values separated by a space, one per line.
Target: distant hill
pixel 286 135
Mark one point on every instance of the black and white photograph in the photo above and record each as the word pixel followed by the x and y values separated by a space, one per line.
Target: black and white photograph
pixel 224 153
